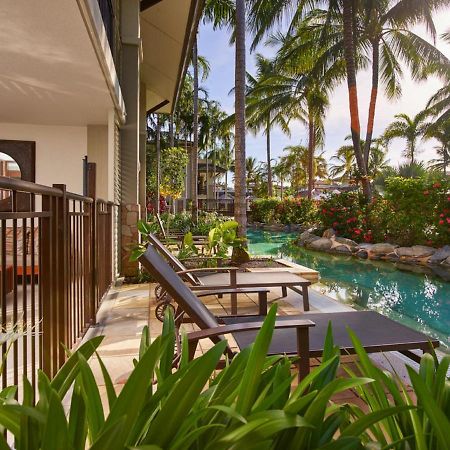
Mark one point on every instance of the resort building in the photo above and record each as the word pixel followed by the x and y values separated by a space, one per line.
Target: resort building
pixel 77 81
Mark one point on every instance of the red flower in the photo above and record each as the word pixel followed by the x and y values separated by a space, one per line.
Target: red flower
pixel 335 224
pixel 448 219
pixel 357 231
pixel 426 193
pixel 441 215
pixel 437 185
pixel 441 222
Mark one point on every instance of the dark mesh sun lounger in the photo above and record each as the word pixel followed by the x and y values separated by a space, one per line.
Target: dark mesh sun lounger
pixel 299 335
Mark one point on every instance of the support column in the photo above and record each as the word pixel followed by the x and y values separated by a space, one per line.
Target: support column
pixel 129 134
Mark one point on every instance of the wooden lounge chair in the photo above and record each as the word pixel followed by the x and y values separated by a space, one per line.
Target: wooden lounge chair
pixel 301 335
pixel 221 278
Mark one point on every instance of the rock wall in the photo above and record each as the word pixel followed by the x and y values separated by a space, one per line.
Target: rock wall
pixel 413 258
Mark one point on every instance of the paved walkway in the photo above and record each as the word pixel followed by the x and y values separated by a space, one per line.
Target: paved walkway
pixel 127 309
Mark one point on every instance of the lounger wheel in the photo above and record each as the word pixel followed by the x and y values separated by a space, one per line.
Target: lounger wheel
pixel 159 292
pixel 160 309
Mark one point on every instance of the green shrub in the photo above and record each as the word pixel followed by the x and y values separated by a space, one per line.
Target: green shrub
pixel 248 405
pixel 420 211
pixel 296 210
pixel 290 210
pixel 263 210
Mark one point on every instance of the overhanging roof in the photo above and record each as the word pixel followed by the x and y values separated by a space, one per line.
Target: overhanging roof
pixel 168 29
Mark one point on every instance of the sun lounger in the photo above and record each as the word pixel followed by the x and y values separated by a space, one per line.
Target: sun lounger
pixel 301 335
pixel 221 278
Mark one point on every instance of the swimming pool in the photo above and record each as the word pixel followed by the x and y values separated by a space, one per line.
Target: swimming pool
pixel 419 301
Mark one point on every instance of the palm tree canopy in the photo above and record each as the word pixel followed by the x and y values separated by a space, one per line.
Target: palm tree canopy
pixel 411 129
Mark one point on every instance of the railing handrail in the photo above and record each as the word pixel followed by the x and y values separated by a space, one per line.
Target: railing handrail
pixel 28 187
pixel 81 198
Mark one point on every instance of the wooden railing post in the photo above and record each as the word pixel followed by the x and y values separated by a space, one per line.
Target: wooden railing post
pixel 93 276
pixel 62 267
pixel 46 285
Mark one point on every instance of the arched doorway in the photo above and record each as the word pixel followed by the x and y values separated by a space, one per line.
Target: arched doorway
pixel 17 160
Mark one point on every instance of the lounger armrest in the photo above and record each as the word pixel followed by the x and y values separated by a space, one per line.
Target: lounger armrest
pixel 208 269
pixel 204 291
pixel 247 326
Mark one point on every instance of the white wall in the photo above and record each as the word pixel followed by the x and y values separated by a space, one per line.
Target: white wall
pixel 59 152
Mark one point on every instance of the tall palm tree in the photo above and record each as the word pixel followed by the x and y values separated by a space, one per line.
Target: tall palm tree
pixel 411 129
pixel 282 171
pixel 385 31
pixel 264 15
pixel 258 111
pixel 296 160
pixel 439 103
pixel 194 151
pixel 240 203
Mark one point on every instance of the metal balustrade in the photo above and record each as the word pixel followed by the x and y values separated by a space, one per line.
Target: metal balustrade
pixel 56 251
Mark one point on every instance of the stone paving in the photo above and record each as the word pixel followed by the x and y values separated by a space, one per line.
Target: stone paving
pixel 127 309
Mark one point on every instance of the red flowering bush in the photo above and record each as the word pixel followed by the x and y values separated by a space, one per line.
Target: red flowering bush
pixel 345 213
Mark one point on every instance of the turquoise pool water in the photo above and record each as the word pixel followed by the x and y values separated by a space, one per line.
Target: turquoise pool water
pixel 419 301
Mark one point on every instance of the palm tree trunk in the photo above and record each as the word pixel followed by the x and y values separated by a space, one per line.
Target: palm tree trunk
pixel 194 172
pixel 373 99
pixel 158 163
pixel 281 188
pixel 445 157
pixel 311 144
pixel 349 56
pixel 240 207
pixel 171 132
pixel 269 162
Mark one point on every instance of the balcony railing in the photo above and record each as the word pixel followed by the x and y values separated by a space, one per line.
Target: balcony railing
pixel 55 267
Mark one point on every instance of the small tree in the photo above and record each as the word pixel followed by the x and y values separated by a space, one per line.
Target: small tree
pixel 173 171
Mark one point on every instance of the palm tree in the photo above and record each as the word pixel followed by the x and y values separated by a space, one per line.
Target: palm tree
pixel 343 166
pixel 366 25
pixel 252 168
pixel 408 128
pixel 258 111
pixel 296 161
pixel 240 204
pixel 194 151
pixel 281 170
pixel 385 31
pixel 441 132
pixel 439 103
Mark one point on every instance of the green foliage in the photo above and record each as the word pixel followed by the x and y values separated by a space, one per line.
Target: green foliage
pixel 263 210
pixel 287 211
pixel 248 404
pixel 420 211
pixel 173 171
pixel 183 223
pixel 223 237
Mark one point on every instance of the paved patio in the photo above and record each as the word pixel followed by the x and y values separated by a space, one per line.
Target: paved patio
pixel 127 309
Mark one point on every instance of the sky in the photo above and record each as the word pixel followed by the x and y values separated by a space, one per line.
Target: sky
pixel 214 46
